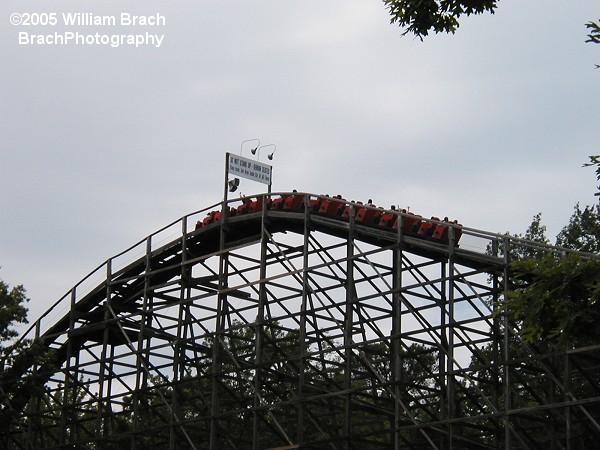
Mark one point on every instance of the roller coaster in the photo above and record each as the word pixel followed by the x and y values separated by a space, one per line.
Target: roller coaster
pixel 293 320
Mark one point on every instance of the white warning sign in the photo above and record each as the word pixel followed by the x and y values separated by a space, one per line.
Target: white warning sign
pixel 249 169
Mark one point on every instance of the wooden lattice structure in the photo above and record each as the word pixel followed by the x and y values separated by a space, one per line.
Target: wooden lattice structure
pixel 292 320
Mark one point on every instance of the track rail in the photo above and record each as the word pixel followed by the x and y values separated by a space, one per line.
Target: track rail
pixel 288 207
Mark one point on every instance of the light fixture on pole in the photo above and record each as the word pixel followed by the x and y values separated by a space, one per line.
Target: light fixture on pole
pixel 253 150
pixel 233 184
pixel 258 149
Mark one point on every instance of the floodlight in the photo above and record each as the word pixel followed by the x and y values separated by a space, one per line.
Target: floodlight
pixel 233 184
pixel 270 155
pixel 252 150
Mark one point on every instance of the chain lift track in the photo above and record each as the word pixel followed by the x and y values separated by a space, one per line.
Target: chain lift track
pixel 293 320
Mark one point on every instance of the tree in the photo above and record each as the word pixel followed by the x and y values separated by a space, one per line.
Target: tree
pixel 17 381
pixel 423 16
pixel 583 231
pixel 441 16
pixel 594 35
pixel 556 298
pixel 12 311
pixel 594 38
pixel 595 159
pixel 535 233
pixel 420 17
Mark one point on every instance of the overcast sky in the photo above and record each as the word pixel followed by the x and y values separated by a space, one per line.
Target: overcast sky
pixel 100 146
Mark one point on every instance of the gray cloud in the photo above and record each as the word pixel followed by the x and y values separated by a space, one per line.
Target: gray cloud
pixel 102 146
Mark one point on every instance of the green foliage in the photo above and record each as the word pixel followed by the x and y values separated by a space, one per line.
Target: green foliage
pixel 595 161
pixel 420 17
pixel 594 38
pixel 594 35
pixel 583 231
pixel 12 310
pixel 535 233
pixel 557 299
pixel 18 381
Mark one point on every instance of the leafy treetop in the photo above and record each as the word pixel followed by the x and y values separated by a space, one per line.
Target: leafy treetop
pixel 583 231
pixel 556 298
pixel 12 310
